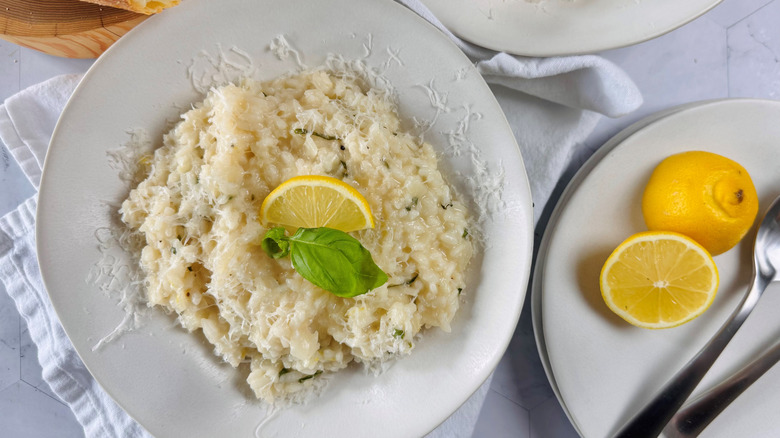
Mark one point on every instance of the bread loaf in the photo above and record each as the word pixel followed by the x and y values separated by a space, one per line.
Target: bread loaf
pixel 141 6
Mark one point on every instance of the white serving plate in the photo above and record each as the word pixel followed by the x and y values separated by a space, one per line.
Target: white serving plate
pixel 604 370
pixel 537 277
pixel 168 379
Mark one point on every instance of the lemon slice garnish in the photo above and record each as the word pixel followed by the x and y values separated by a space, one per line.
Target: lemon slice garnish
pixel 312 201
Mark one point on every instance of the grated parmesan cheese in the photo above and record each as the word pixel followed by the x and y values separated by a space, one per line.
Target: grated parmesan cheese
pixel 197 214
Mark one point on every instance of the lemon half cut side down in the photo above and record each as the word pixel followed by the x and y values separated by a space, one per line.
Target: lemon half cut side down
pixel 705 196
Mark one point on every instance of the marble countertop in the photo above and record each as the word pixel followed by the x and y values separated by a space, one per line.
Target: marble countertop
pixel 732 51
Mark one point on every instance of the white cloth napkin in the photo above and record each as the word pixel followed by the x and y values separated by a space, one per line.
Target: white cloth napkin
pixel 571 92
pixel 27 121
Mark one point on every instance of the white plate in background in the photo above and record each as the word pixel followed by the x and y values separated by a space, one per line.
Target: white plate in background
pixel 563 27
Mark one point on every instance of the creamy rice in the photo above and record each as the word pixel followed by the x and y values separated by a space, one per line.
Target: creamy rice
pixel 198 212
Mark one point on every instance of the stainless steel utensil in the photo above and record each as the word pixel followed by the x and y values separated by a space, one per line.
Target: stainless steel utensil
pixel 691 420
pixel 650 421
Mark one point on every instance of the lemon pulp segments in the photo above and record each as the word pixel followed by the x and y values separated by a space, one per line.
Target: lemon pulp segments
pixel 659 280
pixel 311 201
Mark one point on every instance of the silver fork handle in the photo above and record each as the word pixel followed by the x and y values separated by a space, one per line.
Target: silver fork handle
pixel 650 421
pixel 691 420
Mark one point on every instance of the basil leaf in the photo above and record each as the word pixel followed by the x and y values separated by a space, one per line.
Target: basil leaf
pixel 334 261
pixel 275 243
pixel 305 378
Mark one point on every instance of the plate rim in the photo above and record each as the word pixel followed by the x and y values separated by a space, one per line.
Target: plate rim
pixel 533 48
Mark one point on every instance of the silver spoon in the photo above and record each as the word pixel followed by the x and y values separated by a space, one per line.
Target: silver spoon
pixel 691 420
pixel 650 421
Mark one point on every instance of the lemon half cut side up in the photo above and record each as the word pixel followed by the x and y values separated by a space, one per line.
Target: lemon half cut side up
pixel 659 279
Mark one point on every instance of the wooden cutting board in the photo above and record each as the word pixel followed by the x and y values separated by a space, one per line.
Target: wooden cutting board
pixel 68 28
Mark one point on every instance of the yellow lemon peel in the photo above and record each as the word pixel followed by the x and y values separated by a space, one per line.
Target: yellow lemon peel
pixel 702 195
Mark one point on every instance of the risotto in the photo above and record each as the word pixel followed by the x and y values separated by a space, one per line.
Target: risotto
pixel 197 211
